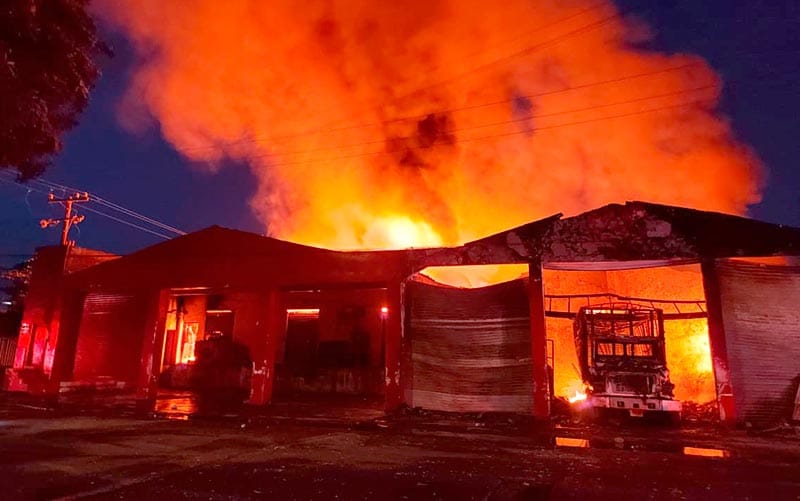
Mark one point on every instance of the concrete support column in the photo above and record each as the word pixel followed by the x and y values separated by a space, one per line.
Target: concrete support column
pixel 263 350
pixel 541 392
pixel 393 346
pixel 152 346
pixel 61 357
pixel 717 342
pixel 40 323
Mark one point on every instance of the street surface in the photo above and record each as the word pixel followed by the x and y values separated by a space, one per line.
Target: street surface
pixel 45 454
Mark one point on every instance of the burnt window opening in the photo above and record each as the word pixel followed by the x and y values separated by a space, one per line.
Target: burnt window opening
pixel 349 346
pixel 608 349
pixel 191 319
pixel 219 323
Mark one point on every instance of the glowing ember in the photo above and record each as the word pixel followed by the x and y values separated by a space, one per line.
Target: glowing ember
pixel 400 233
pixel 476 276
pixel 572 442
pixel 705 452
pixel 303 311
pixel 577 397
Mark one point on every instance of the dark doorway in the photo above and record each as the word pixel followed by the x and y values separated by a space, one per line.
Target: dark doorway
pixel 302 337
pixel 332 347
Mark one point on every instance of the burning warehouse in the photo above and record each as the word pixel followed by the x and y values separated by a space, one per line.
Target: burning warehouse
pixel 642 305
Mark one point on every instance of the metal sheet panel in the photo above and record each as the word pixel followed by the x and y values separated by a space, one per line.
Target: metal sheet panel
pixel 761 316
pixel 796 412
pixel 110 337
pixel 470 348
pixel 8 348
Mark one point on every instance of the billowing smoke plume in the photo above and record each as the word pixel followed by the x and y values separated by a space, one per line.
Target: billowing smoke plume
pixel 422 122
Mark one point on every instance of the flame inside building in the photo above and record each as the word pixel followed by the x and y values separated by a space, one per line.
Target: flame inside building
pixel 431 123
pixel 687 346
pixel 675 289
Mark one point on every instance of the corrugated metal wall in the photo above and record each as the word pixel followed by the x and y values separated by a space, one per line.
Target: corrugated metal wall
pixel 761 316
pixel 110 337
pixel 8 347
pixel 470 348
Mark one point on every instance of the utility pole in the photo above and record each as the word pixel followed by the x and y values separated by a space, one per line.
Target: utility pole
pixel 68 218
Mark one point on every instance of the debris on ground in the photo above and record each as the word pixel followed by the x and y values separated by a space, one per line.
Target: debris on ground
pixel 707 412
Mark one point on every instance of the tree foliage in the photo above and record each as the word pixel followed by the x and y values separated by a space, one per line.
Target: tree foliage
pixel 48 64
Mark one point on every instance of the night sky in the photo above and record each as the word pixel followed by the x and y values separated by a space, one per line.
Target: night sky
pixel 754 45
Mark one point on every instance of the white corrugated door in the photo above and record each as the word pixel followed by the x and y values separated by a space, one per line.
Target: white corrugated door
pixel 761 316
pixel 470 348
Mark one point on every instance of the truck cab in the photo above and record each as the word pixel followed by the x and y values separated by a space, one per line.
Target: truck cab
pixel 622 358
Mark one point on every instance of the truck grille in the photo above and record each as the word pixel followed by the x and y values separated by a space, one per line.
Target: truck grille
pixel 634 384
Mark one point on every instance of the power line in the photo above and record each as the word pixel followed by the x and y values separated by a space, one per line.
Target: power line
pixel 101 201
pixel 114 206
pixel 365 125
pixel 600 119
pixel 109 216
pixel 526 50
pixel 493 136
pixel 591 26
pixel 400 119
pixel 507 134
pixel 594 107
pixel 513 121
pixel 522 34
pixel 140 216
pixel 166 237
pixel 420 116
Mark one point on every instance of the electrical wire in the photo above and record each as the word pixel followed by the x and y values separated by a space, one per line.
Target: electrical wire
pixel 526 33
pixel 506 134
pixel 166 237
pixel 102 201
pixel 100 213
pixel 513 121
pixel 522 52
pixel 463 140
pixel 416 117
pixel 386 122
pixel 131 213
pixel 114 206
pixel 453 78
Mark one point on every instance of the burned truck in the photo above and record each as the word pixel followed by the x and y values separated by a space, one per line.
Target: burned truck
pixel 623 362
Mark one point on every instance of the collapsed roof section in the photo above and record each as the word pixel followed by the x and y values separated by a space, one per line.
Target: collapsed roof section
pixel 634 234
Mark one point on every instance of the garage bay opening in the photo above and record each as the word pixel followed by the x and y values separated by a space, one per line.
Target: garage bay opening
pixel 331 352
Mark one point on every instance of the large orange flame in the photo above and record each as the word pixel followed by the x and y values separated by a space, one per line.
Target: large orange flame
pixel 384 125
